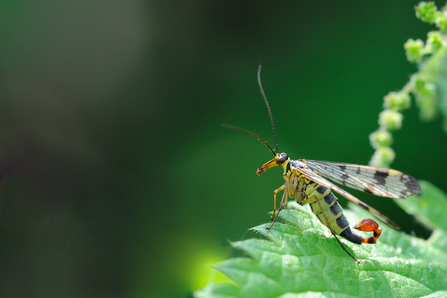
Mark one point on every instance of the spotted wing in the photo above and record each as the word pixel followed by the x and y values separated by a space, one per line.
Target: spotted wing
pixel 377 181
pixel 309 174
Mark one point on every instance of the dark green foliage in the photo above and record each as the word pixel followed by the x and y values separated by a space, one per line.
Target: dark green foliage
pixel 302 259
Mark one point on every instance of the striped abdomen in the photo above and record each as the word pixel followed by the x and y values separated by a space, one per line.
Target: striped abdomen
pixel 334 218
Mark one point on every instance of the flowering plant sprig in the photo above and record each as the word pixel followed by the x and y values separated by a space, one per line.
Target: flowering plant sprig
pixel 422 85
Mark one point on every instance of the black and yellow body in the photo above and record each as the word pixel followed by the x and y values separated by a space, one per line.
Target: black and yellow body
pixel 333 216
pixel 323 203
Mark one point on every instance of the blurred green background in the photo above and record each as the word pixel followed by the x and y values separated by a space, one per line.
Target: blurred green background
pixel 118 180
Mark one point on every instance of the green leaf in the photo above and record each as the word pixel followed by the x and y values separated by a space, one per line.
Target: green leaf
pixel 429 207
pixel 302 258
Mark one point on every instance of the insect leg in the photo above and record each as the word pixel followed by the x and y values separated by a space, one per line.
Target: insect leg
pixel 275 214
pixel 274 199
pixel 332 231
pixel 369 225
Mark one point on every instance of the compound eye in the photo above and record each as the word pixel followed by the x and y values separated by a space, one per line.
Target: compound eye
pixel 282 158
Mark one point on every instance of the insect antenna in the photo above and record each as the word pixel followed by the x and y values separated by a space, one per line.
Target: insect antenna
pixel 268 106
pixel 250 133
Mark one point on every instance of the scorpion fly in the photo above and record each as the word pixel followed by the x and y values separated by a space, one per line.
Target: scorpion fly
pixel 305 181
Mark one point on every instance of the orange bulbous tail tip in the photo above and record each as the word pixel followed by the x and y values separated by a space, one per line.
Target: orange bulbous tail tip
pixel 367 225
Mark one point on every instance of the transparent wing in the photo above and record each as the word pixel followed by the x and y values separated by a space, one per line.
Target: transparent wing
pixel 309 174
pixel 378 181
